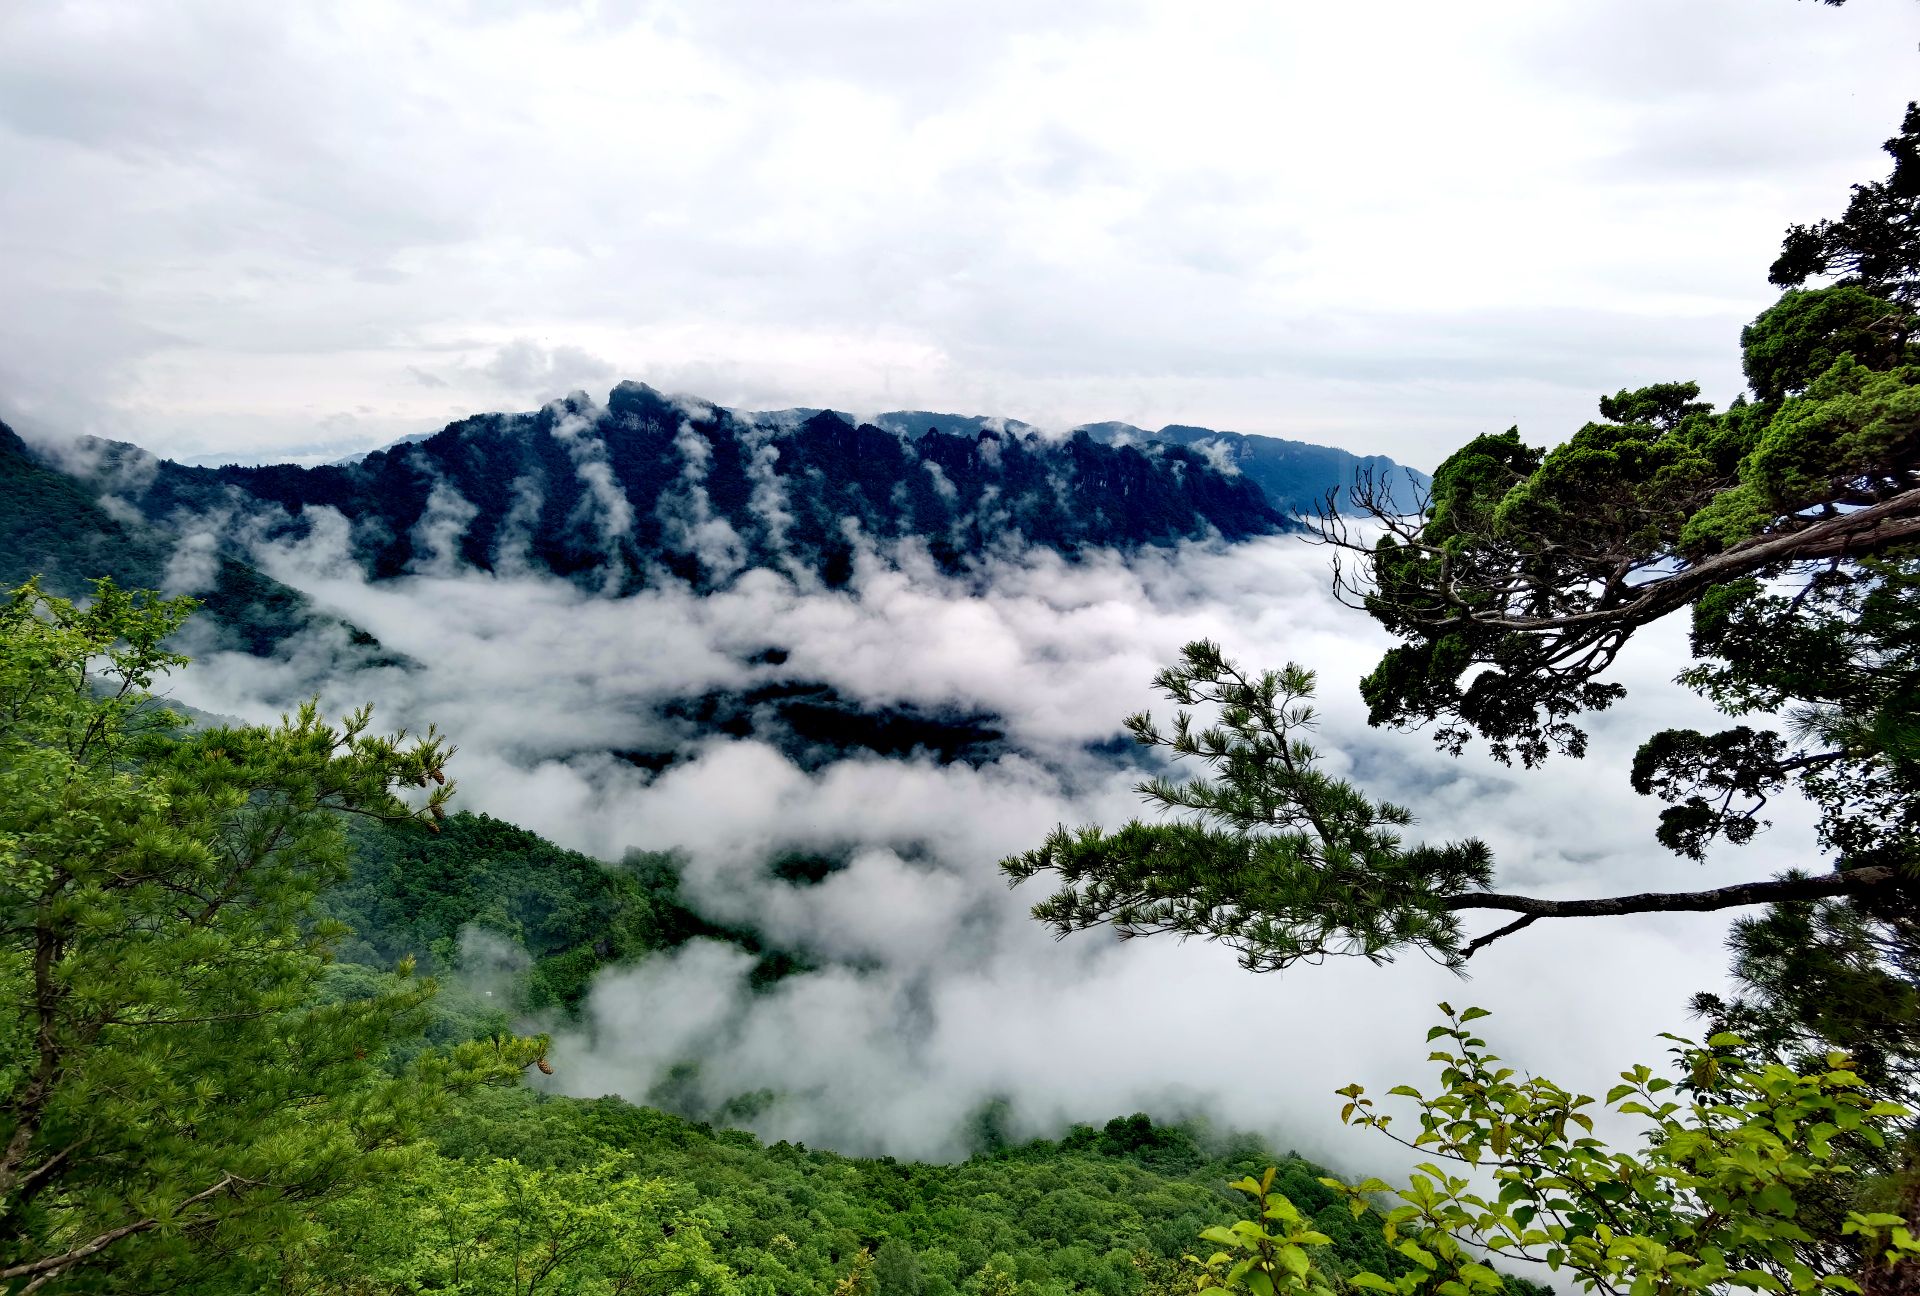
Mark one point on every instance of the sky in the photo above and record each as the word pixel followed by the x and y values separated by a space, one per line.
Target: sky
pixel 301 231
pixel 932 991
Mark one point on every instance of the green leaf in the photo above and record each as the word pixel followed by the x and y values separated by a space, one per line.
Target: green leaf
pixel 1418 1254
pixel 1479 1275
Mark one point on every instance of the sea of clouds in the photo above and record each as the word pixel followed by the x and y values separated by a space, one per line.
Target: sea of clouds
pixel 933 992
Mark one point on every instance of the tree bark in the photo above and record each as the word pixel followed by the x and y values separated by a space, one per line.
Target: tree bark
pixel 1818 887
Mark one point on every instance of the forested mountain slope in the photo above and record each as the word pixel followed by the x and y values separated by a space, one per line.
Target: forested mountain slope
pixel 412 893
pixel 55 526
pixel 649 487
pixel 1104 1209
pixel 1107 1209
pixel 1295 475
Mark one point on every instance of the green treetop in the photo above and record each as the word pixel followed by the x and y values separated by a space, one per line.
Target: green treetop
pixel 1876 242
pixel 174 1097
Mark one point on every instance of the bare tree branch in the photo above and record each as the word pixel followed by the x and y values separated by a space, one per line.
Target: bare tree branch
pixel 1845 882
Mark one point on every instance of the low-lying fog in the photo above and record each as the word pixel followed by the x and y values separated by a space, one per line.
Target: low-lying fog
pixel 935 993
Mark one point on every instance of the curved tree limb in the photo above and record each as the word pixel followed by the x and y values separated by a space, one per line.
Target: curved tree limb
pixel 1864 531
pixel 1531 908
pixel 1891 521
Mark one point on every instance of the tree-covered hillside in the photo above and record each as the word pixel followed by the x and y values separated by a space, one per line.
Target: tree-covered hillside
pixel 1105 1209
pixel 412 891
pixel 54 526
pixel 648 486
pixel 1298 477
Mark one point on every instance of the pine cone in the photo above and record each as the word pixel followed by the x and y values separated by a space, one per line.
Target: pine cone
pixel 545 1067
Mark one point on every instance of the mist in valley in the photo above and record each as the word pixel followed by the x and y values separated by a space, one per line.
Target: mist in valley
pixel 929 993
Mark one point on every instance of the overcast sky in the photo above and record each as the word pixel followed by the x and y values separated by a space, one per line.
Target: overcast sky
pixel 1388 224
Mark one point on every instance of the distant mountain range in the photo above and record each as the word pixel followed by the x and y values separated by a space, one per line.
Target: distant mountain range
pixel 649 487
pixel 646 489
pixel 1296 476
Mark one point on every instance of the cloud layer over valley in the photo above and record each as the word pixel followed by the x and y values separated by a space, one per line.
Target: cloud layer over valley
pixel 932 992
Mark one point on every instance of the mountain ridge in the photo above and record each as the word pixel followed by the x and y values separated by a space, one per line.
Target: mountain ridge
pixel 1296 475
pixel 649 487
pixel 53 527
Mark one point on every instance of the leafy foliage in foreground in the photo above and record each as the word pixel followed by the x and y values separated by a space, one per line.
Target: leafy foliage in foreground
pixel 1275 859
pixel 1875 243
pixel 1732 1155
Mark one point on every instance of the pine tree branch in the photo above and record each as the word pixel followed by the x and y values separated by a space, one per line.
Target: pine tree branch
pixel 47 1266
pixel 1890 521
pixel 1820 886
pixel 1525 920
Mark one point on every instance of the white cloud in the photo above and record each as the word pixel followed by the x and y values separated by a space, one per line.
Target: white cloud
pixel 525 370
pixel 194 564
pixel 687 514
pixel 934 990
pixel 442 524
